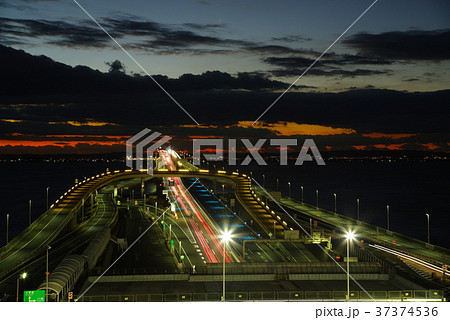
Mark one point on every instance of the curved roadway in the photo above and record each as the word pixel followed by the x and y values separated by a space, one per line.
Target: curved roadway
pixel 33 240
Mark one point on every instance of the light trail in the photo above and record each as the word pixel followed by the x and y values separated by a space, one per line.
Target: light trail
pixel 188 206
pixel 206 248
pixel 408 257
pixel 207 228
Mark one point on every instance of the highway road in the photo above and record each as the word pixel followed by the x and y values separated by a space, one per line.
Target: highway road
pixel 206 235
pixel 33 240
pixel 104 216
pixel 150 253
pixel 375 234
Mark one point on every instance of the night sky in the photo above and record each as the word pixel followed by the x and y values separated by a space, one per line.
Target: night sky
pixel 68 88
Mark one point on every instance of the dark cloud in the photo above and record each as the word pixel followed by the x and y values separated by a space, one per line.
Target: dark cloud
pixel 156 37
pixel 66 97
pixel 340 73
pixel 25 77
pixel 411 80
pixel 407 45
pixel 20 7
pixel 198 26
pixel 275 49
pixel 332 65
pixel 136 33
pixel 116 66
pixel 292 38
pixel 61 33
pixel 330 60
pixel 294 66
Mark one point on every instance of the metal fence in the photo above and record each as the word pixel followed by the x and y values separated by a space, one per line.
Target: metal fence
pixel 401 295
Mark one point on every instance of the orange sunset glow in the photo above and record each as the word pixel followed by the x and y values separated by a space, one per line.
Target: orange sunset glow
pixel 293 128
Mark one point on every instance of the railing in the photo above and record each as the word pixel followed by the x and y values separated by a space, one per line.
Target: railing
pixel 401 295
pixel 440 250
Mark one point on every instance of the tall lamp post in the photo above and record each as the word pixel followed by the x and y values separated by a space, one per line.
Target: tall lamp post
pixel 302 192
pixel 47 196
pixel 357 209
pixel 7 228
pixel 46 276
pixel 335 207
pixel 428 227
pixel 317 199
pixel 264 181
pixel 289 185
pixel 226 236
pixel 349 236
pixel 21 276
pixel 278 189
pixel 387 216
pixel 29 212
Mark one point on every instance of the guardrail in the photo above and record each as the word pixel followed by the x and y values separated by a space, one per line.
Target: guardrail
pixel 346 220
pixel 401 295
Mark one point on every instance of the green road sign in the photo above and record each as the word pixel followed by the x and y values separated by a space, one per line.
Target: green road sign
pixel 34 296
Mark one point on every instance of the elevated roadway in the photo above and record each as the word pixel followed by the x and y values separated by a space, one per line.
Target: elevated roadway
pixel 68 212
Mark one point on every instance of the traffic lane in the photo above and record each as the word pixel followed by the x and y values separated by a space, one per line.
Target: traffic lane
pixel 259 252
pixel 190 212
pixel 411 246
pixel 202 228
pixel 36 268
pixel 300 252
pixel 150 250
pixel 189 246
pixel 45 228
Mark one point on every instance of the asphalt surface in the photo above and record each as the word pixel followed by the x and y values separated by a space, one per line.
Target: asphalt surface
pixel 366 231
pixel 149 254
pixel 36 268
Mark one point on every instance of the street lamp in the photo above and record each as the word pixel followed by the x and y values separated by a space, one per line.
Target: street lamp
pixel 223 189
pixel 349 236
pixel 264 181
pixel 289 184
pixel 357 209
pixel 7 228
pixel 46 276
pixel 428 226
pixel 29 212
pixel 302 192
pixel 277 185
pixel 226 236
pixel 335 207
pixel 317 199
pixel 21 276
pixel 47 196
pixel 387 216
